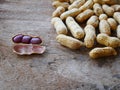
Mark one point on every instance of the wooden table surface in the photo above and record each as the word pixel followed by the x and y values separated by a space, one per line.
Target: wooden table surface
pixel 58 68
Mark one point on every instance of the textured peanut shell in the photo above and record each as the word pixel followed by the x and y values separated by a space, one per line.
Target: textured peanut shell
pixel 59 25
pixel 84 15
pixel 69 42
pixel 90 36
pixel 58 3
pixel 73 12
pixel 71 1
pixel 97 8
pixel 74 28
pixel 87 5
pixel 112 23
pixel 76 4
pixel 104 27
pixel 103 17
pixel 106 40
pixel 108 10
pixel 117 16
pixel 116 7
pixel 93 20
pixel 102 52
pixel 109 2
pixel 59 10
pixel 118 31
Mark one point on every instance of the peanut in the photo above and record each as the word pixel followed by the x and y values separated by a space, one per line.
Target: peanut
pixel 108 10
pixel 104 27
pixel 93 20
pixel 117 16
pixel 58 11
pixel 118 31
pixel 58 3
pixel 97 9
pixel 76 4
pixel 74 28
pixel 103 17
pixel 73 12
pixel 84 15
pixel 112 23
pixel 59 26
pixel 87 5
pixel 102 52
pixel 69 42
pixel 116 7
pixel 106 40
pixel 90 36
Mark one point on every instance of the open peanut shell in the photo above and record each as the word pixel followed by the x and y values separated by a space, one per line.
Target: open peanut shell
pixel 28 49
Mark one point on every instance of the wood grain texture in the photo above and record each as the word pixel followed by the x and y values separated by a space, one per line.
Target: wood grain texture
pixel 58 68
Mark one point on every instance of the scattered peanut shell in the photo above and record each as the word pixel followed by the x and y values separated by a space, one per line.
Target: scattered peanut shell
pixel 74 28
pixel 59 26
pixel 28 49
pixel 106 40
pixel 102 52
pixel 104 27
pixel 69 42
pixel 84 15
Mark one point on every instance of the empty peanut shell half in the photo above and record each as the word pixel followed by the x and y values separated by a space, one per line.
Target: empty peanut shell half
pixel 28 49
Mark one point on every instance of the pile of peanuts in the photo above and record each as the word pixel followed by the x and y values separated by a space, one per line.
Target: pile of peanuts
pixel 101 19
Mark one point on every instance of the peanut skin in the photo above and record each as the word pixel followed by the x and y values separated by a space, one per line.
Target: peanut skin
pixel 74 28
pixel 90 36
pixel 59 26
pixel 102 52
pixel 106 40
pixel 69 42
